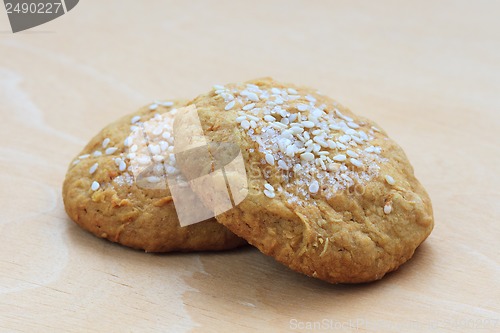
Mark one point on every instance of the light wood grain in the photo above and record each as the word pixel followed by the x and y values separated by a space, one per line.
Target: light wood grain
pixel 427 71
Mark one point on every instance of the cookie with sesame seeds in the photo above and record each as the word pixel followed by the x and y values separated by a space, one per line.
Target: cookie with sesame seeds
pixel 330 195
pixel 102 195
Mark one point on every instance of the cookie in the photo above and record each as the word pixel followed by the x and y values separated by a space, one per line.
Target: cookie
pixel 330 195
pixel 103 195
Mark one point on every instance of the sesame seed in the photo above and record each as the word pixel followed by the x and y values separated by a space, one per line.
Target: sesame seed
pixel 308 124
pixel 105 142
pixel 279 125
pixel 93 168
pixel 317 132
pixel 314 187
pixel 290 151
pixel 292 91
pixel 253 117
pixel 135 119
pixel 127 142
pixel 270 159
pixel 282 165
pixel 320 141
pixel 163 145
pixel 363 135
pixel 269 187
pixel 230 105
pixel 269 194
pixel 171 170
pixel 144 159
pixel 111 150
pixel 95 186
pixel 350 131
pixel 97 153
pixel 345 138
pixel 352 154
pixel 227 97
pixel 245 124
pixel 307 156
pixel 153 179
pixel 356 162
pixel 340 158
pixel 167 103
pixel 352 124
pixel 82 157
pixel 311 98
pixel 322 163
pixel 241 118
pixel 155 149
pixel 390 180
pixel 346 177
pixel 250 95
pixel 356 139
pixel 269 118
pixel 157 131
pixel 219 87
pixel 331 144
pixel 387 209
pixel 333 166
pixel 153 106
pixel 302 107
pixel 346 118
pixel 249 106
pixel 341 146
pixel 253 87
pixel 122 166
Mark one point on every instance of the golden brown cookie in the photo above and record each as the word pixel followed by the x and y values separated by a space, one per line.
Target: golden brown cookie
pixel 330 194
pixel 102 195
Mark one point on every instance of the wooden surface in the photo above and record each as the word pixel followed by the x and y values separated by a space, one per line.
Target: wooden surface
pixel 428 72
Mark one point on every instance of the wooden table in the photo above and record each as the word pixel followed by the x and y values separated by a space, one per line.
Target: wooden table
pixel 427 71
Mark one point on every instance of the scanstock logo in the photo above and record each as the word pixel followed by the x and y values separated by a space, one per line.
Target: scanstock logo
pixel 24 14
